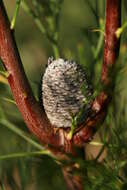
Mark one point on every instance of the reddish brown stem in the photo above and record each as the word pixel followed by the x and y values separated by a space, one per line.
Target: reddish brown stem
pixel 31 111
pixel 112 43
pixel 111 52
pixel 35 119
pixel 73 181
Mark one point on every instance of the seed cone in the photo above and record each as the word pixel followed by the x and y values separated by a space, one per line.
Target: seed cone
pixel 62 91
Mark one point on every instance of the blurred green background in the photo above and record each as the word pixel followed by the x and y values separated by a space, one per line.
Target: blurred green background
pixel 77 40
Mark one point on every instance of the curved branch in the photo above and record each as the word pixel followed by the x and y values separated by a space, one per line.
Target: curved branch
pixel 35 119
pixel 111 52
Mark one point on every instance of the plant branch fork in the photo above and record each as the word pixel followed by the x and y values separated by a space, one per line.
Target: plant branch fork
pixel 30 109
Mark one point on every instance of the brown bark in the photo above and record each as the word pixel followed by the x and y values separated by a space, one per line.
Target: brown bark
pixel 34 118
pixel 111 52
pixel 112 43
pixel 73 181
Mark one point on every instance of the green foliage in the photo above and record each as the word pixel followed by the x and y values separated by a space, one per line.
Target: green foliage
pixel 73 30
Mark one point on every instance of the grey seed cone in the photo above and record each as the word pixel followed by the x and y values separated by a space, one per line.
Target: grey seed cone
pixel 61 91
